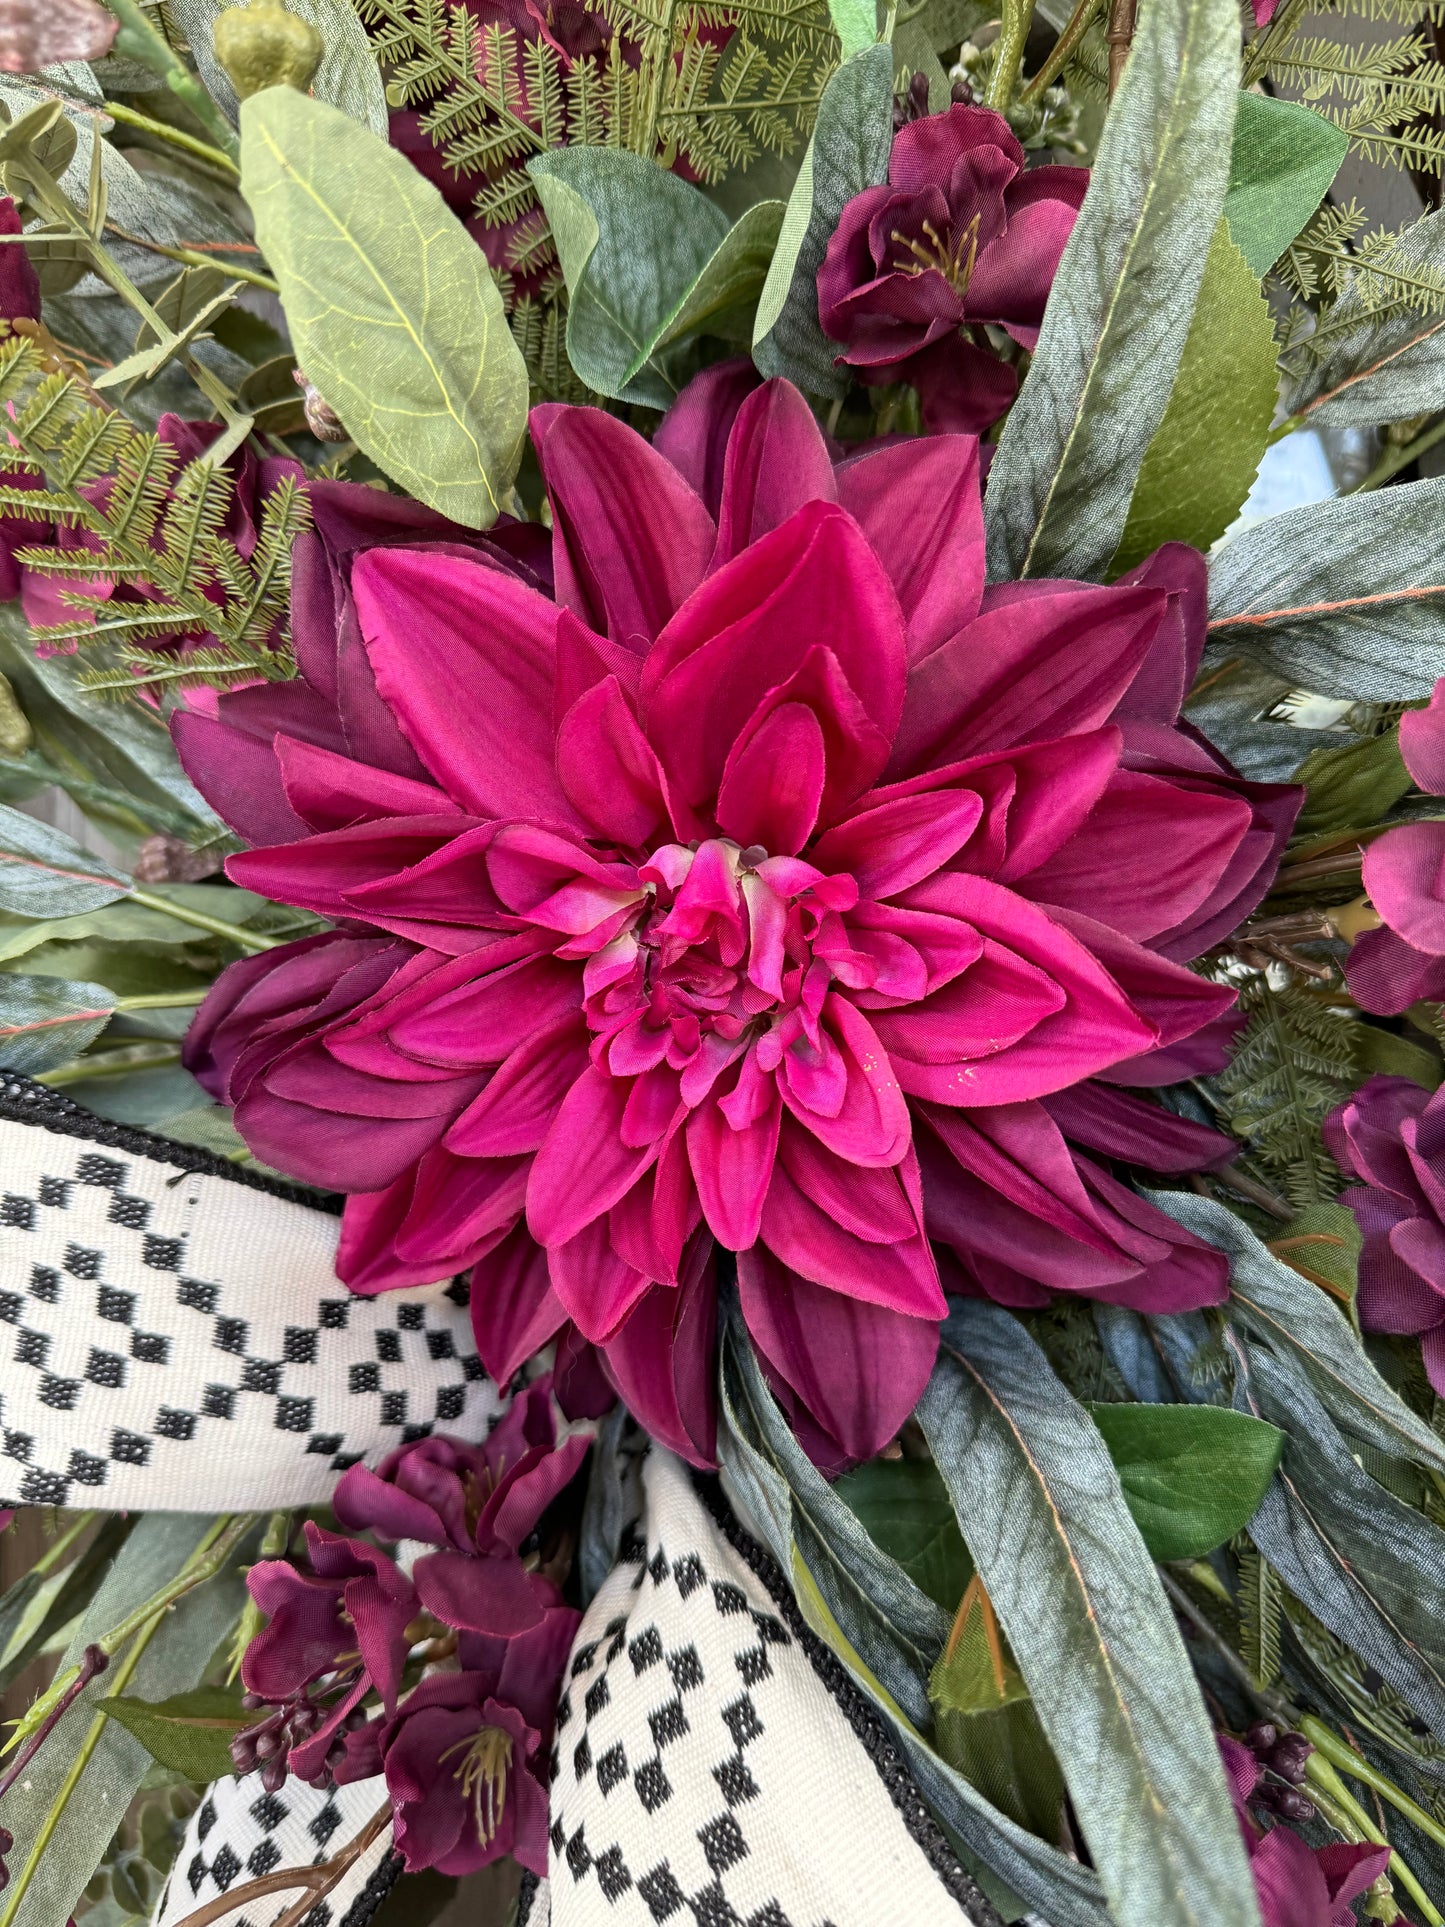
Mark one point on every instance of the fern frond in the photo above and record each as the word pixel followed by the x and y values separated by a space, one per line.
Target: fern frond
pixel 1260 1601
pixel 1293 1063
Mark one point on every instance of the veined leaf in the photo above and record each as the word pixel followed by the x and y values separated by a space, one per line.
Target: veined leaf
pixel 44 873
pixel 1192 1475
pixel 191 1732
pixel 45 1021
pixel 1281 165
pixel 648 260
pixel 1344 598
pixel 393 311
pixel 1298 1321
pixel 1352 783
pixel 1119 312
pixel 1076 1593
pixel 857 24
pixel 1203 460
pixel 848 152
pixel 905 1509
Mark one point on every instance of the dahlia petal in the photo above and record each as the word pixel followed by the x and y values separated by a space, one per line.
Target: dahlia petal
pixel 1404 876
pixel 1188 1277
pixel 594 1282
pixel 239 777
pixel 858 1368
pixel 868 1202
pixel 327 1149
pixel 1125 1127
pixel 662 1361
pixel 732 1167
pixel 317 874
pixel 464 656
pixel 460 1209
pixel 898 844
pixel 1167 673
pixel 777 461
pixel 480 1022
pixel 331 792
pixel 584 1166
pixel 1175 1002
pixel 513 1306
pixel 694 432
pixel 630 539
pixel 651 1223
pixel 944 946
pixel 772 784
pixel 608 769
pixel 901 1276
pixel 366 1258
pixel 512 1113
pixel 920 506
pixel 869 1126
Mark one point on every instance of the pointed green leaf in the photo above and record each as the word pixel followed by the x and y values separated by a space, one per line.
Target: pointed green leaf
pixel 44 873
pixel 191 1732
pixel 1075 1590
pixel 1119 313
pixel 392 308
pixel 905 1508
pixel 1193 1475
pixel 1206 453
pixel 1281 165
pixel 45 1021
pixel 857 24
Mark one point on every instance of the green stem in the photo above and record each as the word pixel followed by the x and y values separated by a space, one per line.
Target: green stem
pixel 84 1754
pixel 116 110
pixel 183 913
pixel 112 1063
pixel 198 258
pixel 1017 19
pixel 1348 1761
pixel 50 1559
pixel 1275 36
pixel 164 1000
pixel 139 38
pixel 1394 459
pixel 1062 51
pixel 1321 1774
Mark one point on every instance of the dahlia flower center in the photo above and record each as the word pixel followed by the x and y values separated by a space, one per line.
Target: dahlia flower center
pixel 726 950
pixel 953 255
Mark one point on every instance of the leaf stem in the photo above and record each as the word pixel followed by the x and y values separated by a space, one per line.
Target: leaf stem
pixel 218 927
pixel 1348 1761
pixel 142 40
pixel 198 258
pixel 1320 1773
pixel 1394 459
pixel 52 1556
pixel 1120 37
pixel 1079 22
pixel 1017 19
pixel 132 117
pixel 164 1000
pixel 112 1063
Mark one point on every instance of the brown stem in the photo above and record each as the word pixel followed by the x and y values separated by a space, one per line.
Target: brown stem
pixel 1259 1194
pixel 1120 37
pixel 318 1881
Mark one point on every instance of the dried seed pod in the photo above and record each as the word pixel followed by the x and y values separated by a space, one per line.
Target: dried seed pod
pixel 266 45
pixel 321 417
pixel 16 734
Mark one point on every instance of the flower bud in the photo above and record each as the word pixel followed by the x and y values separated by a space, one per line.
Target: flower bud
pixel 321 418
pixel 265 45
pixel 1261 1737
pixel 1288 1755
pixel 16 735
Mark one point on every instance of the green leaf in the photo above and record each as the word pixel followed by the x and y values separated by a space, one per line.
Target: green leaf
pixel 1119 313
pixel 1352 783
pixel 1192 1475
pixel 905 1508
pixel 348 76
pixel 1323 1243
pixel 45 1021
pixel 393 312
pixel 24 1633
pixel 648 260
pixel 848 152
pixel 1281 165
pixel 857 24
pixel 1383 1052
pixel 1343 598
pixel 1297 1319
pixel 190 1732
pixel 1077 1595
pixel 44 873
pixel 1205 455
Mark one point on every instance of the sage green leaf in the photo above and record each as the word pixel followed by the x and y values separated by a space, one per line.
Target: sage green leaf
pixel 27 1624
pixel 1076 1593
pixel 1366 1564
pixel 45 1021
pixel 848 152
pixel 905 1508
pixel 1064 1893
pixel 121 922
pixel 1206 453
pixel 44 873
pixel 1344 597
pixel 1296 1319
pixel 1192 1475
pixel 1119 313
pixel 392 308
pixel 648 260
pixel 857 24
pixel 190 1732
pixel 348 77
pixel 174 1661
pixel 1281 165
pixel 1351 783
pixel 1366 367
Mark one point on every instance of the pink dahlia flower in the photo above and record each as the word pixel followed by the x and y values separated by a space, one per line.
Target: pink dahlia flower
pixel 1404 873
pixel 777 886
pixel 958 240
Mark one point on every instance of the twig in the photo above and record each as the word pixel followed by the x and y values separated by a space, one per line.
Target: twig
pixel 317 1881
pixel 1120 38
pixel 1259 1194
pixel 1079 22
pixel 93 1662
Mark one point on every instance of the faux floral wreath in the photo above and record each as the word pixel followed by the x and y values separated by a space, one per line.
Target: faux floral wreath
pixel 757 684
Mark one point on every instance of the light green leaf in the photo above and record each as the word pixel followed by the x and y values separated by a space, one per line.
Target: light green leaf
pixel 1119 313
pixel 393 311
pixel 348 76
pixel 190 1732
pixel 1076 1593
pixel 1203 460
pixel 648 260
pixel 905 1508
pixel 1193 1475
pixel 1344 597
pixel 121 922
pixel 1382 1052
pixel 1280 168
pixel 857 24
pixel 44 873
pixel 1323 1243
pixel 1351 783
pixel 848 152
pixel 45 1021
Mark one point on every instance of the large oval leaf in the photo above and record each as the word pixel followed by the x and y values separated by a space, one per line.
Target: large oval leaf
pixel 393 311
pixel 1077 1595
pixel 1192 1475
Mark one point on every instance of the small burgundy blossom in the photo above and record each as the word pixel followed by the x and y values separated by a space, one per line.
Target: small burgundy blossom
pixel 1390 1137
pixel 773 884
pixel 960 239
pixel 1297 1885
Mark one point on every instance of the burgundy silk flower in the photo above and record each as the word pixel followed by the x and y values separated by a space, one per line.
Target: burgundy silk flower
pixel 1390 1137
pixel 959 239
pixel 772 884
pixel 1297 1885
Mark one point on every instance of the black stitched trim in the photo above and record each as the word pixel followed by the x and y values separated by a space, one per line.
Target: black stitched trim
pixel 526 1899
pixel 384 1877
pixel 25 1102
pixel 872 1735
